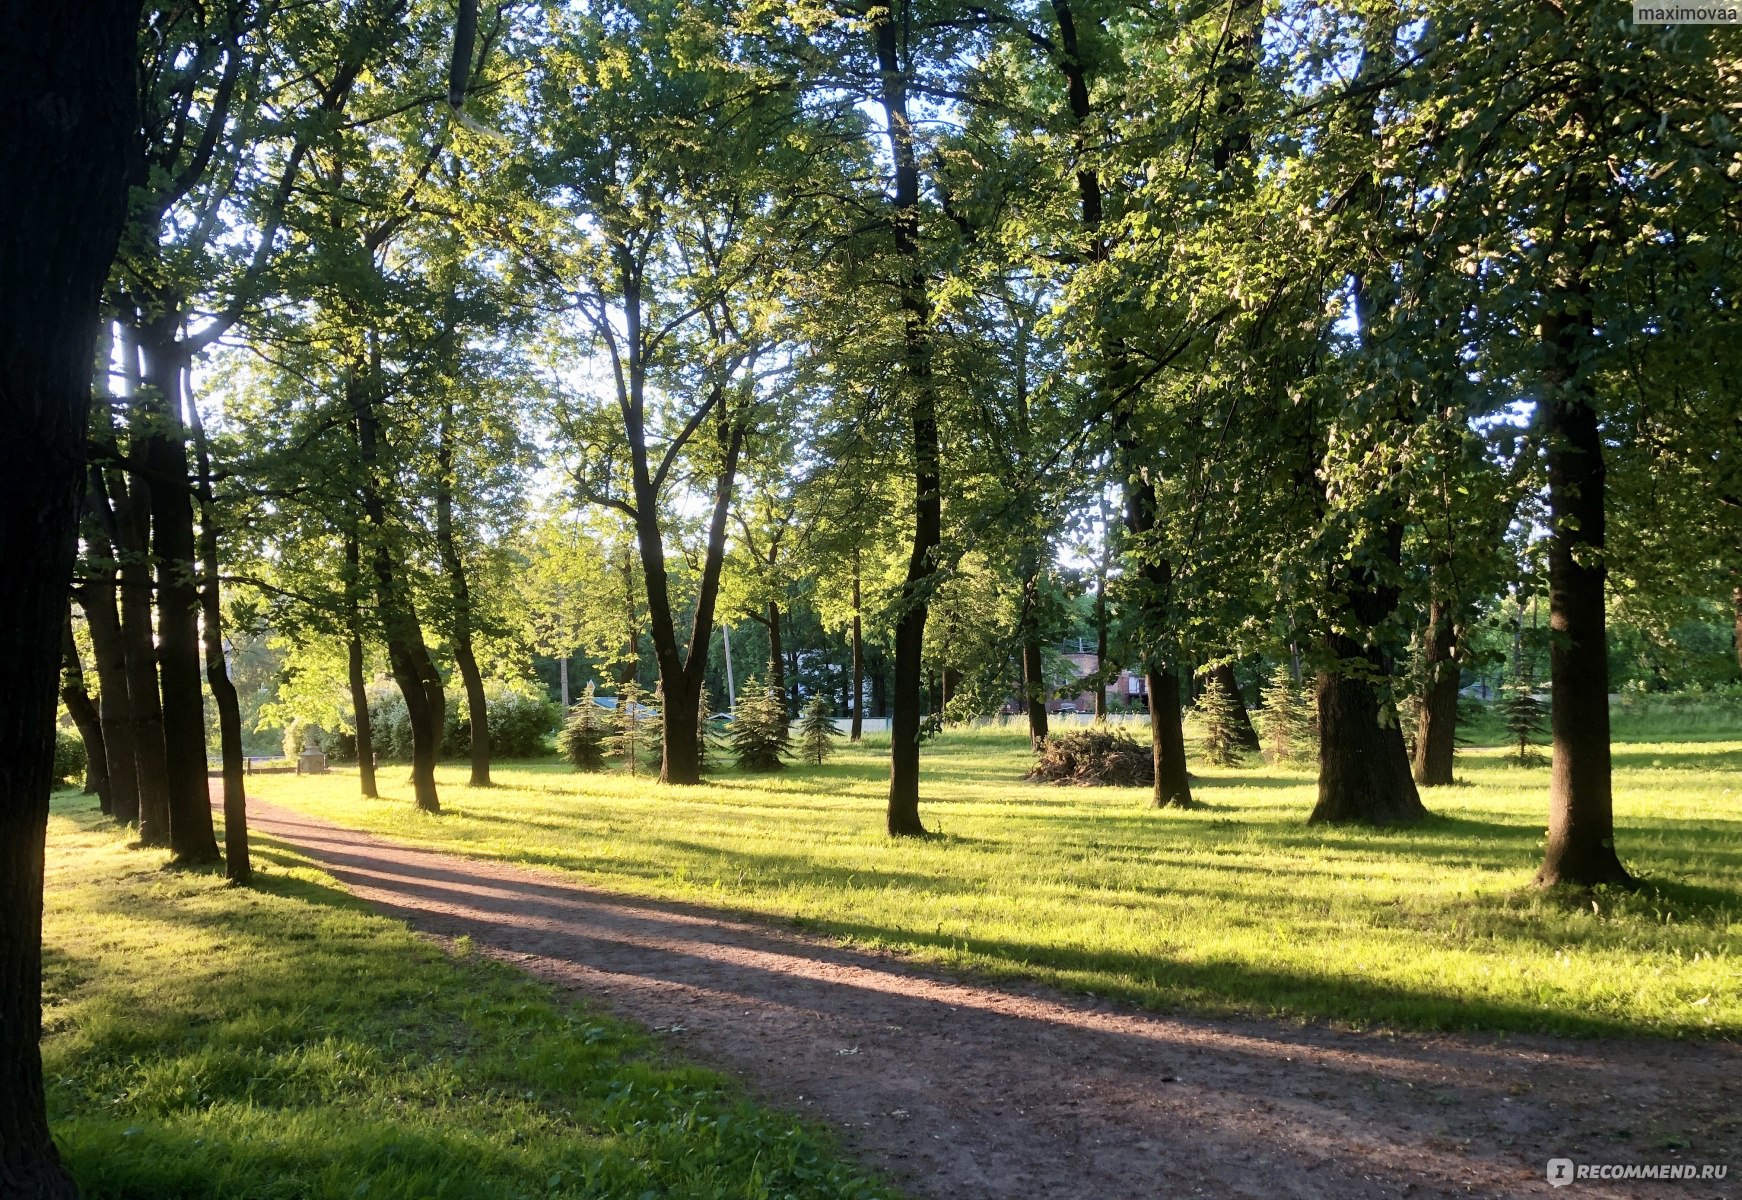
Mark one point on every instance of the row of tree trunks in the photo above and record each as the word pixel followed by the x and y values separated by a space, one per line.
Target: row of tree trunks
pixel 68 94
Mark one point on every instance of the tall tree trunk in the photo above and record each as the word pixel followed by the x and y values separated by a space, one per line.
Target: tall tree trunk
pixel 67 97
pixel 858 727
pixel 96 596
pixel 133 523
pixel 1243 731
pixel 1167 737
pixel 1581 815
pixel 1101 620
pixel 359 685
pixel 460 599
pixel 413 670
pixel 192 837
pixel 903 812
pixel 1034 687
pixel 238 866
pixel 114 711
pixel 776 653
pixel 1436 729
pixel 360 717
pixel 84 714
pixel 1736 623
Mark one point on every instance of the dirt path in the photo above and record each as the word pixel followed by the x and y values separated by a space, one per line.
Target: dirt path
pixel 957 1090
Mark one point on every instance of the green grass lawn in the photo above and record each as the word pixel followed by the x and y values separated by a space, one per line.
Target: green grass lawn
pixel 204 1041
pixel 1236 907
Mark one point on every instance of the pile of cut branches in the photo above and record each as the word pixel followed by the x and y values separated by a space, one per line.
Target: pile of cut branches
pixel 1095 757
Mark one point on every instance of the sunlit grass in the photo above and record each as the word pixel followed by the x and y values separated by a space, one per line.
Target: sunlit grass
pixel 204 1041
pixel 1237 906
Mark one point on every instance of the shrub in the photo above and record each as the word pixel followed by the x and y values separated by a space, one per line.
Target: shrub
pixel 70 759
pixel 521 718
pixel 817 732
pixel 1095 757
pixel 583 736
pixel 760 736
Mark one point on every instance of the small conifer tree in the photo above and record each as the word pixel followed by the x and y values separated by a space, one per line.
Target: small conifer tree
pixel 816 731
pixel 1286 723
pixel 584 734
pixel 1522 714
pixel 760 736
pixel 1220 741
pixel 633 729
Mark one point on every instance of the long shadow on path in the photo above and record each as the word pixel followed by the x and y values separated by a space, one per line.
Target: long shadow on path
pixel 959 1089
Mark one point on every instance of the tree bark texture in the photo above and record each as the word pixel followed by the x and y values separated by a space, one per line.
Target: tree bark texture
pixel 460 613
pixel 67 98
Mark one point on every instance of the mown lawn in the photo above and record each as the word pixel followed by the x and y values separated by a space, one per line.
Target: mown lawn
pixel 1237 907
pixel 204 1041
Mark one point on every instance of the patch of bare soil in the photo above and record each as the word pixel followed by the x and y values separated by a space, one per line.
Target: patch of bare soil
pixel 960 1090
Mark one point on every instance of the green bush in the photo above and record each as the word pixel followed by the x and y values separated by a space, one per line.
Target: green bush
pixel 70 759
pixel 521 720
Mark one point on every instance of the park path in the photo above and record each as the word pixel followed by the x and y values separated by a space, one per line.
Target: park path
pixel 961 1090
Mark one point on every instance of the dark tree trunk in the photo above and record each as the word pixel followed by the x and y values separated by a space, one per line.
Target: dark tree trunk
pixel 460 599
pixel 97 597
pixel 1167 740
pixel 1224 675
pixel 133 521
pixel 1736 623
pixel 354 671
pixel 776 653
pixel 84 714
pixel 1363 764
pixel 413 670
pixel 1436 729
pixel 1581 814
pixel 1101 630
pixel 191 834
pixel 238 866
pixel 858 729
pixel 683 669
pixel 879 694
pixel 915 300
pixel 67 96
pixel 360 718
pixel 1034 688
